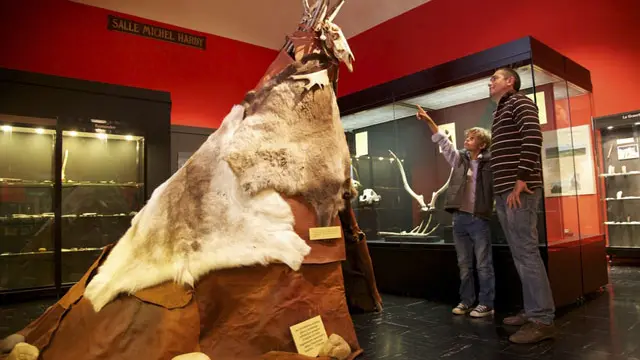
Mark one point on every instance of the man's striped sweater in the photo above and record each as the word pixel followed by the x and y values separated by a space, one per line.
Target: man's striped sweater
pixel 516 143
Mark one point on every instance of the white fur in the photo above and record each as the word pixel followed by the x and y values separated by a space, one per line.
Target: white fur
pixel 223 208
pixel 238 229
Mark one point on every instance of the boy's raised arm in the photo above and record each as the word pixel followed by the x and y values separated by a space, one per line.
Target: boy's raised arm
pixel 448 151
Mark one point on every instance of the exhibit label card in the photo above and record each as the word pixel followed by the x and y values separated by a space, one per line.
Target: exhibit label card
pixel 362 143
pixel 625 141
pixel 325 233
pixel 309 336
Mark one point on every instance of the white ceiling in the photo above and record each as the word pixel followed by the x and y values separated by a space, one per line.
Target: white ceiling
pixel 258 22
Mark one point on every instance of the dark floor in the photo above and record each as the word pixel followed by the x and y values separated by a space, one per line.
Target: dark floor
pixel 606 327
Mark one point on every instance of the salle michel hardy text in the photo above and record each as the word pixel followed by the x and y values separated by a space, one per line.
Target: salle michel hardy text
pixel 132 27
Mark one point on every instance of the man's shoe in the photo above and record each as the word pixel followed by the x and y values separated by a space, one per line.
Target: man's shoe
pixel 516 320
pixel 481 311
pixel 461 309
pixel 533 332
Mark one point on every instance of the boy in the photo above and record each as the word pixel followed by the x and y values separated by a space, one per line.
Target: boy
pixel 470 200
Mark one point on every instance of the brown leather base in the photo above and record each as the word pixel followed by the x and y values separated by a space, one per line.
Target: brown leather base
pixel 241 313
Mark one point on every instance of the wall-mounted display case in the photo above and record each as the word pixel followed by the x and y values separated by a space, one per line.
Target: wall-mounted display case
pixel 617 137
pixel 402 177
pixel 185 141
pixel 79 160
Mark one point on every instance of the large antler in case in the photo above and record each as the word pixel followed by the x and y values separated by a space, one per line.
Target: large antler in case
pixel 428 220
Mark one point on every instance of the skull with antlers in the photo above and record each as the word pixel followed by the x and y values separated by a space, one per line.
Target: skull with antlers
pixel 320 19
pixel 316 34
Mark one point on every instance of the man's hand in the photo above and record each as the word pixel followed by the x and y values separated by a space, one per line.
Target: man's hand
pixel 513 200
pixel 422 115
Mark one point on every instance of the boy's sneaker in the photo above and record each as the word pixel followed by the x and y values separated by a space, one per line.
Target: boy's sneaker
pixel 481 311
pixel 461 309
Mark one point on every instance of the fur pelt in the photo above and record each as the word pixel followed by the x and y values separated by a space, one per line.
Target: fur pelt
pixel 224 208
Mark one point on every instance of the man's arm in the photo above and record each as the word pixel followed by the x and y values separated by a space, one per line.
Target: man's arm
pixel 448 151
pixel 525 115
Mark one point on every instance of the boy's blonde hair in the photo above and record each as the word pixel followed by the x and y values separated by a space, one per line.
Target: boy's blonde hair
pixel 481 133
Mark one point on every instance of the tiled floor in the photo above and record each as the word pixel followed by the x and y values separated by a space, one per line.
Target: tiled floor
pixel 606 327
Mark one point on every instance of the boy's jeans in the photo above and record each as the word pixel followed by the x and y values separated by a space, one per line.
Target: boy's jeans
pixel 520 226
pixel 472 236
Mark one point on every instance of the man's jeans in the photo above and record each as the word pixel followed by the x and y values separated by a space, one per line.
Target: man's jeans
pixel 520 226
pixel 472 236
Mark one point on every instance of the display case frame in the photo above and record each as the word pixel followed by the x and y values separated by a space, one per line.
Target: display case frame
pixel 76 105
pixel 576 265
pixel 617 137
pixel 186 140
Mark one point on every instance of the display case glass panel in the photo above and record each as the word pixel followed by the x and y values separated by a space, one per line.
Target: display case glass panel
pixel 102 189
pixel 393 210
pixel 563 145
pixel 26 202
pixel 568 161
pixel 618 137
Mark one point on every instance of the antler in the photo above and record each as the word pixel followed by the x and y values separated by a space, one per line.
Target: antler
pixel 324 4
pixel 334 11
pixel 418 198
pixel 305 6
pixel 311 19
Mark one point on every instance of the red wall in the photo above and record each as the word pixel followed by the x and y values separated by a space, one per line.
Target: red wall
pixel 601 35
pixel 63 38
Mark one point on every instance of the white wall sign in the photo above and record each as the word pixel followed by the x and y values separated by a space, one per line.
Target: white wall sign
pixel 542 106
pixel 362 143
pixel 450 130
pixel 567 161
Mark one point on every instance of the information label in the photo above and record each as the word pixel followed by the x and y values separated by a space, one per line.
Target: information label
pixel 309 336
pixel 325 233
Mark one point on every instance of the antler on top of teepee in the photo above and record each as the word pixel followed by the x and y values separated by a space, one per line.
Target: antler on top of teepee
pixel 318 19
pixel 316 34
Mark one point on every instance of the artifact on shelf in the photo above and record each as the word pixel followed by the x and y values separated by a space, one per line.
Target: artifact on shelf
pixel 64 165
pixel 369 197
pixel 407 187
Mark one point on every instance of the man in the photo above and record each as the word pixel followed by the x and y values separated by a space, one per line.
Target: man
pixel 517 184
pixel 470 199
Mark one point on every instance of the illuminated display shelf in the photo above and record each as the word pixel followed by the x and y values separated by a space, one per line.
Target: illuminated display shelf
pixel 618 142
pixel 78 160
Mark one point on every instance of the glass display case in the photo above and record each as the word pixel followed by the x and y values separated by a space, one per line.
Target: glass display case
pixel 402 177
pixel 78 160
pixel 102 188
pixel 617 137
pixel 26 202
pixel 396 163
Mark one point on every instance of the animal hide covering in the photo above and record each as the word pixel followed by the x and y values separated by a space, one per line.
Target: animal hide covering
pixel 223 208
